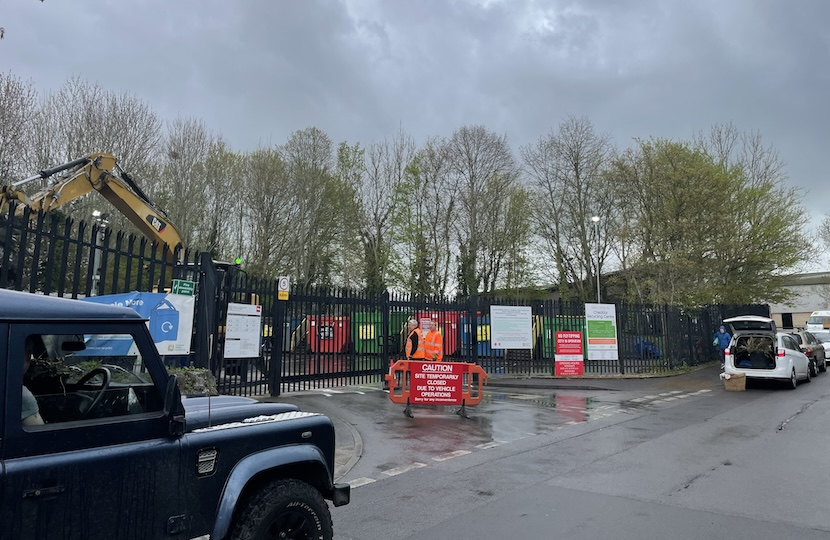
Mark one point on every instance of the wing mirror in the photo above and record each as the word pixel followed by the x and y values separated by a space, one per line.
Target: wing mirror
pixel 173 406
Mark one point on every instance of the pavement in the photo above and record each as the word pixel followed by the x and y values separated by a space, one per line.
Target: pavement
pixel 349 444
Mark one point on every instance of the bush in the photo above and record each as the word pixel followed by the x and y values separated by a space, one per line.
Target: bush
pixel 195 381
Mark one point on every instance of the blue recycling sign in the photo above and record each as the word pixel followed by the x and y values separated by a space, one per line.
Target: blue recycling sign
pixel 170 320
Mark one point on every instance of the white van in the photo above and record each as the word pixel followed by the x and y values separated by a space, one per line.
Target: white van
pixel 819 320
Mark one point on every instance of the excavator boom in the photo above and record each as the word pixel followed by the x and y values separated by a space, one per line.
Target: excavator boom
pixel 96 172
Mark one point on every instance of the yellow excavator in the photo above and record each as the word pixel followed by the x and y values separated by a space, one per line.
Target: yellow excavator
pixel 101 173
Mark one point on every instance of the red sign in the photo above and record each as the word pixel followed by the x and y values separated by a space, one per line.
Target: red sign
pixel 437 383
pixel 569 355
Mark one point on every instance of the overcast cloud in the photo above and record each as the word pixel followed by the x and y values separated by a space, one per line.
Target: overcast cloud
pixel 258 70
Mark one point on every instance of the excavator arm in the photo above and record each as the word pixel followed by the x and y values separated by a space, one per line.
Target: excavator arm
pixel 96 172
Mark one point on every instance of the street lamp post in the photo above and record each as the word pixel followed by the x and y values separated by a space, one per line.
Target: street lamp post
pixel 595 219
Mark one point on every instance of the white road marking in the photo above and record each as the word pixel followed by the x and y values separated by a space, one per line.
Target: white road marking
pixel 491 444
pixel 445 457
pixel 401 470
pixel 357 482
pixel 527 396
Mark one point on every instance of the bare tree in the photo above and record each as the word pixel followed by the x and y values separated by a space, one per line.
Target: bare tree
pixel 566 174
pixel 439 201
pixel 351 268
pixel 386 165
pixel 83 118
pixel 223 174
pixel 485 170
pixel 268 218
pixel 320 203
pixel 18 101
pixel 504 263
pixel 183 187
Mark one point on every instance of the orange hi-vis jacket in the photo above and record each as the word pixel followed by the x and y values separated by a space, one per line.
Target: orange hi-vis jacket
pixel 434 345
pixel 415 345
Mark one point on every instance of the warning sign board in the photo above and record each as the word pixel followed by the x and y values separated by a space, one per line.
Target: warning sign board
pixel 436 383
pixel 570 360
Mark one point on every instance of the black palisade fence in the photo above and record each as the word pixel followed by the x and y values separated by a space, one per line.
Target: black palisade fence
pixel 327 337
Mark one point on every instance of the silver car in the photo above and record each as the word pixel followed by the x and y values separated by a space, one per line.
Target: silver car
pixel 814 349
pixel 824 337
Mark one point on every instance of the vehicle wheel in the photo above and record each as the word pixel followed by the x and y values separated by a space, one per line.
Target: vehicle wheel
pixel 823 366
pixel 793 380
pixel 813 370
pixel 284 509
pixel 809 373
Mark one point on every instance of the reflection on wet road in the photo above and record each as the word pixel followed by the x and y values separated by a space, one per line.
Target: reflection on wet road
pixel 393 444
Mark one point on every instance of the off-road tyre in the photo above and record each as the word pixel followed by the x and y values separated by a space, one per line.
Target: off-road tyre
pixel 284 509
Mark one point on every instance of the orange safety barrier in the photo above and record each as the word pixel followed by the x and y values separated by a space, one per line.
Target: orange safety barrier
pixel 418 382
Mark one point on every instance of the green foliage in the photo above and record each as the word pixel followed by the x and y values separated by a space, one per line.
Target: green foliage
pixel 703 232
pixel 413 265
pixel 194 381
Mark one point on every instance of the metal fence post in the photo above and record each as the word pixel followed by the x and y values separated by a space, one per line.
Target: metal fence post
pixel 277 338
pixel 384 321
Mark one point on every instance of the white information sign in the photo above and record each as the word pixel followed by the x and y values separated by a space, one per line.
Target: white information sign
pixel 601 328
pixel 242 329
pixel 511 327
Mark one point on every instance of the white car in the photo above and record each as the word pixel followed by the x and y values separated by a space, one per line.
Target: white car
pixel 759 351
pixel 824 337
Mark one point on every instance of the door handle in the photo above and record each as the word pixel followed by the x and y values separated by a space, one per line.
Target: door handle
pixel 42 492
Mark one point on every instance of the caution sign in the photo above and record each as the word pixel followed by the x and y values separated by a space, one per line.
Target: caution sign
pixel 436 383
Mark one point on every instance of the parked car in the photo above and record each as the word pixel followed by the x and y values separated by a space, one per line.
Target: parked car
pixel 824 337
pixel 97 442
pixel 759 351
pixel 814 349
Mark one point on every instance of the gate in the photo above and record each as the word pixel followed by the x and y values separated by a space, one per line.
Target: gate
pixel 325 337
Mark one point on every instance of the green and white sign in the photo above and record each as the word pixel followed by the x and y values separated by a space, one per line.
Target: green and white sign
pixel 601 330
pixel 184 287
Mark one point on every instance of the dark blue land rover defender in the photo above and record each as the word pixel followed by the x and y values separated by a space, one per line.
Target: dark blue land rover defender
pixel 96 440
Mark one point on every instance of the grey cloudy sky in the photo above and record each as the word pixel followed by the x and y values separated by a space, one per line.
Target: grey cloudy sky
pixel 257 70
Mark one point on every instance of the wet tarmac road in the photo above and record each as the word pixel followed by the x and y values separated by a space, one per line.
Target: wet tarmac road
pixel 376 440
pixel 661 458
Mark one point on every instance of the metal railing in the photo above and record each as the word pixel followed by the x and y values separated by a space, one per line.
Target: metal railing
pixel 324 337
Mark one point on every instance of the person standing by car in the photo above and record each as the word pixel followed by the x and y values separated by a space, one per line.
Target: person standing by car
pixel 721 340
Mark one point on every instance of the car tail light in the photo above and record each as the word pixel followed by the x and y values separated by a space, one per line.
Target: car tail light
pixel 809 351
pixel 781 353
